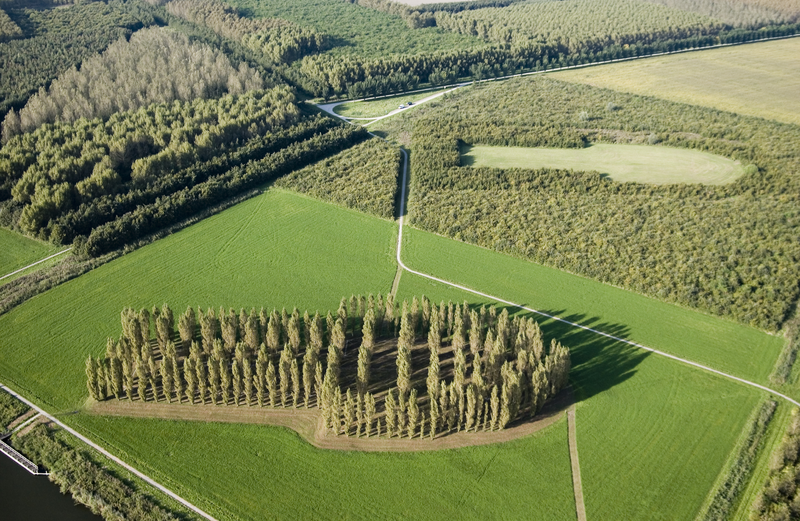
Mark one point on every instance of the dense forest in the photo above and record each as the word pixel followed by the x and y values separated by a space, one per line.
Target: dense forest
pixel 363 178
pixel 501 369
pixel 58 39
pixel 730 250
pixel 281 40
pixel 156 65
pixel 8 29
pixel 741 13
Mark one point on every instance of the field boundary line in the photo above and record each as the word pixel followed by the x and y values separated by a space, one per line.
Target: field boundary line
pixel 572 435
pixel 553 317
pixel 35 263
pixel 108 455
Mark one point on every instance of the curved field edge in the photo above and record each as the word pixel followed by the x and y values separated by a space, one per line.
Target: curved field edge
pixel 719 343
pixel 274 250
pixel 307 423
pixel 621 163
pixel 256 472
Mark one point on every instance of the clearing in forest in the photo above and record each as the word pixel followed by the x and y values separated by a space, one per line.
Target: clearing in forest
pixel 624 163
pixel 379 107
pixel 760 79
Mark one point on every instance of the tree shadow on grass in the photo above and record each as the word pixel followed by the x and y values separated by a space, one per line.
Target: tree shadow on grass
pixel 598 362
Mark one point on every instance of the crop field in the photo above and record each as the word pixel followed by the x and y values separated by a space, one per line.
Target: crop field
pixel 760 79
pixel 740 350
pixel 623 163
pixel 662 430
pixel 379 107
pixel 17 251
pixel 277 249
pixel 257 472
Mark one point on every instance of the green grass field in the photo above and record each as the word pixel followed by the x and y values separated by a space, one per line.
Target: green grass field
pixel 652 434
pixel 624 163
pixel 278 249
pixel 17 251
pixel 379 107
pixel 759 79
pixel 722 344
pixel 257 472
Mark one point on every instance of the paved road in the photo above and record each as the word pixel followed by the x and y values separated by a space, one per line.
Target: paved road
pixel 108 455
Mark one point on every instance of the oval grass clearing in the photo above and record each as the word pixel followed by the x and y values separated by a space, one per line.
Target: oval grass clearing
pixel 623 163
pixel 378 107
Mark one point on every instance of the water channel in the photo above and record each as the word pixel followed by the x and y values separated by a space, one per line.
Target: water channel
pixel 25 497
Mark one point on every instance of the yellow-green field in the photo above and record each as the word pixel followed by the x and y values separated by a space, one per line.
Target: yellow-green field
pixel 379 107
pixel 760 79
pixel 623 163
pixel 17 251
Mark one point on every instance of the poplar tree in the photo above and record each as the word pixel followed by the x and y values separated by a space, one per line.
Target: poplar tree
pixel 284 327
pixel 349 413
pixel 388 317
pixel 190 376
pixel 209 329
pixel 378 428
pixel 296 384
pixel 309 365
pixel 141 328
pixel 401 416
pixel 353 313
pixel 415 318
pixel 263 326
pixel 226 379
pixel 471 407
pixel 273 332
pixel 442 317
pixel 236 373
pixel 116 377
pixel 453 414
pixel 413 413
pixel 284 367
pixel 494 402
pixel 369 412
pixel 141 374
pixel 451 312
pixel 252 332
pixel 307 329
pixel 362 377
pixel 404 345
pixel 316 337
pixel 128 373
pixel 318 380
pixel 230 329
pixel 166 378
pixel 272 384
pixel 293 331
pixel 475 335
pixel 391 413
pixel 341 314
pixel 359 414
pixel 214 378
pixel 186 327
pixel 426 313
pixel 539 388
pixel 261 374
pixel 434 344
pixel 247 379
pixel 202 378
pixel 434 418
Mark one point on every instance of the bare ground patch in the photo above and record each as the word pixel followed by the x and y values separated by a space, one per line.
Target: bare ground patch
pixel 308 424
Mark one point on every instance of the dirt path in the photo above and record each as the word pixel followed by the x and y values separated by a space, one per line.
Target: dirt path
pixel 20 419
pixel 576 467
pixel 34 264
pixel 308 424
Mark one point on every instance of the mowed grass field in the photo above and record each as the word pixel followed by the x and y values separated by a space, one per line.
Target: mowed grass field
pixel 759 79
pixel 258 472
pixel 278 249
pixel 379 107
pixel 722 344
pixel 653 435
pixel 623 163
pixel 17 251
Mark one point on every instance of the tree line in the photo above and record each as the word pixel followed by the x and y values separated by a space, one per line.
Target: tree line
pixel 8 29
pixel 363 178
pixel 746 13
pixel 484 368
pixel 156 65
pixel 781 495
pixel 729 249
pixel 47 173
pixel 280 40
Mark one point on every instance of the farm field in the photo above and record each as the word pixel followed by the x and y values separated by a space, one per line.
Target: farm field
pixel 277 249
pixel 17 251
pixel 725 345
pixel 379 107
pixel 623 163
pixel 759 79
pixel 257 472
pixel 662 430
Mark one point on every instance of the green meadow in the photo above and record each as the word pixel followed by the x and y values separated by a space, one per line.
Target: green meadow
pixel 378 107
pixel 623 163
pixel 278 249
pixel 18 251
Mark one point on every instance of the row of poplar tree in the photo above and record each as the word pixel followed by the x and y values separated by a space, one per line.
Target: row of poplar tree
pixel 498 369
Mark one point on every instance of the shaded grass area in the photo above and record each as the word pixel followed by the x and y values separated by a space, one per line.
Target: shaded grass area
pixel 734 348
pixel 257 472
pixel 653 434
pixel 379 107
pixel 623 163
pixel 759 79
pixel 17 251
pixel 277 249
